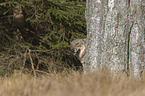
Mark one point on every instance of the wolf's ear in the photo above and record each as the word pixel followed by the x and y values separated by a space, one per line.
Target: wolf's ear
pixel 84 39
pixel 70 42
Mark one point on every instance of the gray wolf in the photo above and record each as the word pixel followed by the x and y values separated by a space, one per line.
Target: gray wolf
pixel 78 46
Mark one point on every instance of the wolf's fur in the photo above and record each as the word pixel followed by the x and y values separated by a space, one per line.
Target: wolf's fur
pixel 78 46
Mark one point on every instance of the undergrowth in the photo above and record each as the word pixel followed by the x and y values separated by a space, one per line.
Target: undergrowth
pixel 71 83
pixel 35 35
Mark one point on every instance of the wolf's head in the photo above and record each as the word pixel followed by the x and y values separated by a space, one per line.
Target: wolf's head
pixel 77 46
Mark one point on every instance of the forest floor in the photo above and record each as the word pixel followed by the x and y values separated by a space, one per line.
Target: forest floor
pixel 72 84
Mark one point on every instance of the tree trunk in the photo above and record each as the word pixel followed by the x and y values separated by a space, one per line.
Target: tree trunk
pixel 137 37
pixel 115 35
pixel 24 28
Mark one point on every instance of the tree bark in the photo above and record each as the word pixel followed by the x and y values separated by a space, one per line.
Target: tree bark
pixel 137 37
pixel 115 35
pixel 94 34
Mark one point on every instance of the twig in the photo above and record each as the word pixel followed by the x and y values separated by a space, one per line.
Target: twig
pixel 32 63
pixel 42 72
pixel 12 61
pixel 31 50
pixel 25 54
pixel 38 62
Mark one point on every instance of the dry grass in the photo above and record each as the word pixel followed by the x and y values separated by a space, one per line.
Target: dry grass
pixel 72 84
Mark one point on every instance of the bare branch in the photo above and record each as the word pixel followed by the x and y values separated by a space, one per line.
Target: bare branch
pixel 32 63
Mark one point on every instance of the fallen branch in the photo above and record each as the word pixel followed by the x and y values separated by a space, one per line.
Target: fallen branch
pixel 32 63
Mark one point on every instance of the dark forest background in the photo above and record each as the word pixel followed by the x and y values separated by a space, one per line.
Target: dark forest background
pixel 35 35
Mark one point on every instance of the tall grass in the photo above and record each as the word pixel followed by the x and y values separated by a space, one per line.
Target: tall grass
pixel 72 83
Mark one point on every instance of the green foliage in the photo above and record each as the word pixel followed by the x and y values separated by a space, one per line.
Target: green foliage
pixel 44 26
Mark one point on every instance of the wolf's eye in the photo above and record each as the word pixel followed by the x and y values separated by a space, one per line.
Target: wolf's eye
pixel 78 50
pixel 72 50
pixel 77 44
